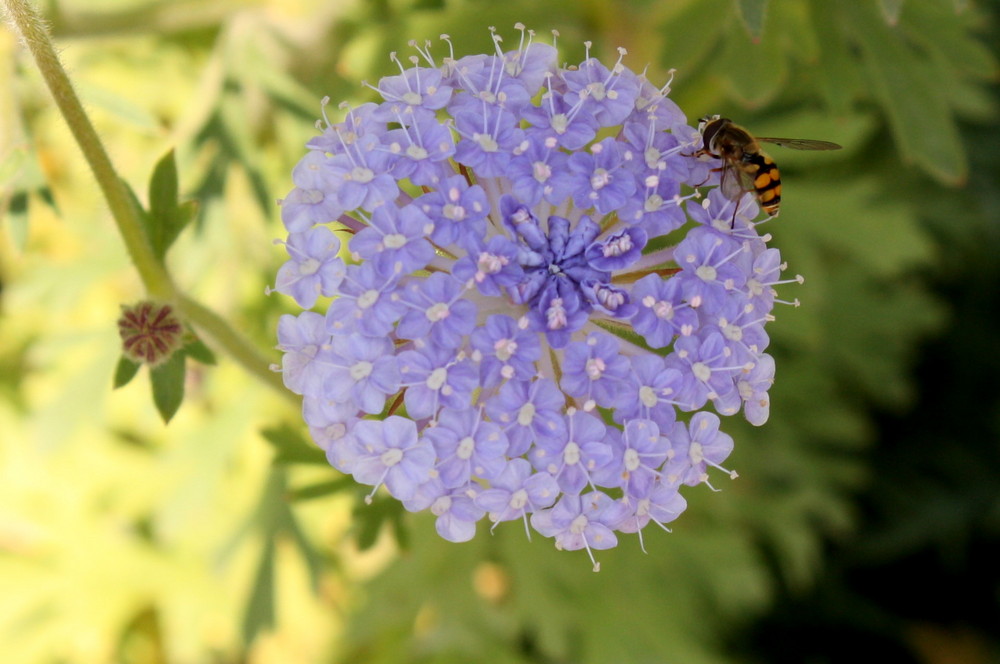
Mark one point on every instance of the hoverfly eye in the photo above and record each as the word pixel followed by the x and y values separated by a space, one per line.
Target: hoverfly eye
pixel 707 120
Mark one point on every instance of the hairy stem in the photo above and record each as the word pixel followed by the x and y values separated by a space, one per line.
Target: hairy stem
pixel 36 38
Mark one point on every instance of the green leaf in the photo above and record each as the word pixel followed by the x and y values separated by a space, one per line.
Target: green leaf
pixel 891 9
pixel 163 185
pixel 225 138
pixel 322 489
pixel 945 36
pixel 752 12
pixel 259 614
pixel 168 385
pixel 921 121
pixel 856 221
pixel 263 70
pixel 20 177
pixel 689 37
pixel 756 69
pixel 140 211
pixel 369 520
pixel 166 218
pixel 628 335
pixel 45 193
pixel 198 351
pixel 274 516
pixel 837 71
pixel 13 165
pixel 243 146
pixel 14 370
pixel 119 106
pixel 17 219
pixel 292 447
pixel 305 455
pixel 186 213
pixel 313 561
pixel 283 436
pixel 125 371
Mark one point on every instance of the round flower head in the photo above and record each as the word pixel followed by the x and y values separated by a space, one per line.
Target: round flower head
pixel 507 332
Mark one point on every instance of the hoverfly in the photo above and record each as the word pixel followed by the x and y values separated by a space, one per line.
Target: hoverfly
pixel 745 167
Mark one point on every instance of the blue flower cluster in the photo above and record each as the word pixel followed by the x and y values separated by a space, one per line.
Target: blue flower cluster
pixel 536 305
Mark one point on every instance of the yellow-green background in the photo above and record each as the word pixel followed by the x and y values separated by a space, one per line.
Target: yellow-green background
pixel 125 540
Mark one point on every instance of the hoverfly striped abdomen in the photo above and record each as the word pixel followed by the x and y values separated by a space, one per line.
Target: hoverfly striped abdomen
pixel 766 180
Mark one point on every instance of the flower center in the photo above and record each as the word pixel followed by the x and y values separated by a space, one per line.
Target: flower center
pixel 560 123
pixel 609 298
pixel 518 499
pixel 526 414
pixel 491 263
pixel 542 171
pixel 309 267
pixel 486 142
pixel 706 273
pixel 597 90
pixel 571 455
pixel 505 349
pixel 595 368
pixel 647 396
pixel 312 196
pixel 578 525
pixel 437 312
pixel 441 506
pixel 416 152
pixel 394 241
pixel 335 431
pixel 653 203
pixel 437 378
pixel 600 179
pixel 412 98
pixel 361 370
pixel 701 371
pixel 652 157
pixel 619 245
pixel 466 447
pixel 631 460
pixel 453 212
pixel 362 175
pixel 555 316
pixel 367 298
pixel 391 457
pixel 696 453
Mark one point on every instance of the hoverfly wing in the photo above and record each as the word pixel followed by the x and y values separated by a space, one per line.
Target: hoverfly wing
pixel 735 182
pixel 801 143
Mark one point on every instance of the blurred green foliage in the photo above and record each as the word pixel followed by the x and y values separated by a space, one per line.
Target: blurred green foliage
pixel 201 542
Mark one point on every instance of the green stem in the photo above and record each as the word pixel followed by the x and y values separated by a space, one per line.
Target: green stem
pixel 237 346
pixel 153 273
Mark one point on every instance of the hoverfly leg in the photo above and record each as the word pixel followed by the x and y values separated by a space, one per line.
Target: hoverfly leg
pixel 720 169
pixel 737 204
pixel 698 153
